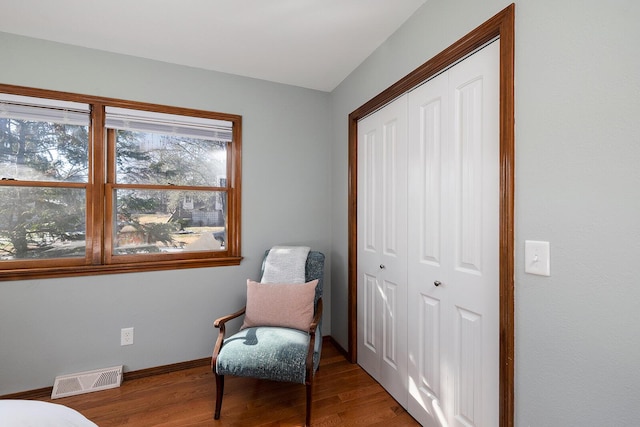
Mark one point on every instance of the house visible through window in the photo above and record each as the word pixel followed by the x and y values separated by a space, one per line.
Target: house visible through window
pixel 107 186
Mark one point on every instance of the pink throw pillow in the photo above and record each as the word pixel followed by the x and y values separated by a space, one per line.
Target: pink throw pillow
pixel 276 304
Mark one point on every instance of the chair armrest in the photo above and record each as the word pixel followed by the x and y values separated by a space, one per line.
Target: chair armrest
pixel 316 318
pixel 221 324
pixel 312 340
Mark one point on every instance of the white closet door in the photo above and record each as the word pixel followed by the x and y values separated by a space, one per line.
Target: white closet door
pixel 382 247
pixel 453 267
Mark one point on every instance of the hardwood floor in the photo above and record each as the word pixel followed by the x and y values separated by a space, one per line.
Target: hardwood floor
pixel 344 395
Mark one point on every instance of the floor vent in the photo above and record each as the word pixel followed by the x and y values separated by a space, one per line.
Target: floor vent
pixel 86 382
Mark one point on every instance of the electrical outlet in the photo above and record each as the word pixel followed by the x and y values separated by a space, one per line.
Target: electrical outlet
pixel 126 336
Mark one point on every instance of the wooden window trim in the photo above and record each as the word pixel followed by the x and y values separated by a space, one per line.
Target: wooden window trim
pixel 98 187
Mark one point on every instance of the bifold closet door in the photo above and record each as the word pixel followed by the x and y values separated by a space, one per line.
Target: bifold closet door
pixel 382 247
pixel 453 249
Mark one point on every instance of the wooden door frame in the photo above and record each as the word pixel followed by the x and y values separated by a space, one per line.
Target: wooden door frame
pixel 501 26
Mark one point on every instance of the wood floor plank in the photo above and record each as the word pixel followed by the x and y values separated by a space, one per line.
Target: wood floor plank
pixel 344 395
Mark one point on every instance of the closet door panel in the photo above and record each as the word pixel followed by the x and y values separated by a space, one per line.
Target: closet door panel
pixel 429 349
pixel 454 186
pixel 428 176
pixel 382 217
pixel 369 166
pixel 369 228
pixel 427 263
pixel 474 202
pixel 467 178
pixel 370 312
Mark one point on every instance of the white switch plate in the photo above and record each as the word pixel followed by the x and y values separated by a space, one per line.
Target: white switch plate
pixel 536 258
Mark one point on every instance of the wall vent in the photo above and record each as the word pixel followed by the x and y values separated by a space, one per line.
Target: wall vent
pixel 86 382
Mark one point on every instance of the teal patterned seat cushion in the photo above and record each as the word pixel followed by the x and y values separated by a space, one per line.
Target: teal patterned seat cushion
pixel 266 352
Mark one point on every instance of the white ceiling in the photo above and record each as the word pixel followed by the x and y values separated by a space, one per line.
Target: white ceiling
pixel 307 43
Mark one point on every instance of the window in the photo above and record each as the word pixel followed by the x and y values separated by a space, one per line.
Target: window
pixel 93 185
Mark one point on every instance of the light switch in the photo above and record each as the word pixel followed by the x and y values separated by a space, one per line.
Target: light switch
pixel 536 258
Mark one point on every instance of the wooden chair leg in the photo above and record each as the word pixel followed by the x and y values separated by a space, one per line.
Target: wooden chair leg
pixel 309 390
pixel 219 393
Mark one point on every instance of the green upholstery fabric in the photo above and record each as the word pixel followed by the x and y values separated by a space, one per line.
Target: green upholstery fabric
pixel 265 352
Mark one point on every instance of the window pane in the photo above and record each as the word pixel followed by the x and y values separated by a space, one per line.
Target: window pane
pixel 43 151
pixel 150 158
pixel 40 223
pixel 154 221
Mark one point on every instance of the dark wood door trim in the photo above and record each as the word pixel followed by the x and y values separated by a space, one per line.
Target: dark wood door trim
pixel 502 26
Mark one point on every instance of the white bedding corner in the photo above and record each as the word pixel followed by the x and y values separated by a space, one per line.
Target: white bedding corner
pixel 33 413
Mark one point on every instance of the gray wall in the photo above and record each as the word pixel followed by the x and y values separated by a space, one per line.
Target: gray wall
pixel 577 186
pixel 59 326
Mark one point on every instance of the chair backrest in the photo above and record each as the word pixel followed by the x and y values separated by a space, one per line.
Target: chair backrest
pixel 314 269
